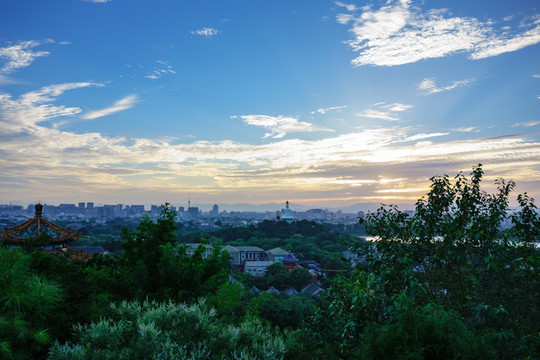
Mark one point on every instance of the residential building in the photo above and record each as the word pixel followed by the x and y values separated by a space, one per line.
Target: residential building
pixel 256 268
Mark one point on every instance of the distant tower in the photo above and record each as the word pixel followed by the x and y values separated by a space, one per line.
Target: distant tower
pixel 286 214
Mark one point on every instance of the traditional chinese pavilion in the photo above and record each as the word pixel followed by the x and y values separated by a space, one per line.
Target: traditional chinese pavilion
pixel 291 262
pixel 58 237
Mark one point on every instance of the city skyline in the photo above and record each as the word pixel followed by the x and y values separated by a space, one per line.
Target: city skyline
pixel 322 103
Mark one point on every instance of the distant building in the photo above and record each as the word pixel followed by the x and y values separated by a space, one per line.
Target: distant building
pixel 313 290
pixel 291 262
pixel 241 254
pixel 286 214
pixel 277 254
pixel 193 211
pixel 215 210
pixel 256 268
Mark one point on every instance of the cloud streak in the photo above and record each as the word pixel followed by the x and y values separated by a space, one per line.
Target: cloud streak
pixel 429 87
pixel 280 126
pixel 399 33
pixel 123 104
pixel 386 111
pixel 163 69
pixel 325 110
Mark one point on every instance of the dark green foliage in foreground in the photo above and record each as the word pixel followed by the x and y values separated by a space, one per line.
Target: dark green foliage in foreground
pixel 283 311
pixel 448 278
pixel 27 303
pixel 169 331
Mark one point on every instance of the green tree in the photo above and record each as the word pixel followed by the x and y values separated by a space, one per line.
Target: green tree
pixel 453 257
pixel 28 302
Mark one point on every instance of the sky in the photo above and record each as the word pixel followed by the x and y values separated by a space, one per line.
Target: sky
pixel 322 103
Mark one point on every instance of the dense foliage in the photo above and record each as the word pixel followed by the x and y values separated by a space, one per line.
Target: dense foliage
pixel 169 331
pixel 452 280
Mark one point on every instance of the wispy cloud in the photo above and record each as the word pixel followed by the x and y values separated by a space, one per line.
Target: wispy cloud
pixel 325 110
pixel 536 76
pixel 36 106
pixel 526 124
pixel 467 129
pixel 206 32
pixel 376 114
pixel 429 87
pixel 349 7
pixel 163 69
pixel 280 126
pixel 20 55
pixel 97 1
pixel 397 107
pixel 398 33
pixel 123 104
pixel 386 112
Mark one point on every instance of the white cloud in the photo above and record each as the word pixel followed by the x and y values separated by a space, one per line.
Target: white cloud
pixel 388 112
pixel 36 106
pixel 467 129
pixel 98 1
pixel 376 114
pixel 161 70
pixel 325 110
pixel 20 55
pixel 536 76
pixel 429 87
pixel 526 124
pixel 398 33
pixel 397 107
pixel 280 126
pixel 344 18
pixel 123 104
pixel 206 32
pixel 349 7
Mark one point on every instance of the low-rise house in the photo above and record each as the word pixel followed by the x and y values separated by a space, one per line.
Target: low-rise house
pixel 241 254
pixel 313 290
pixel 291 291
pixel 277 254
pixel 273 290
pixel 256 268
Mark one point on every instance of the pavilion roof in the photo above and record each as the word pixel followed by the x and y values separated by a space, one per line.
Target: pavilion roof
pixel 35 227
pixel 290 259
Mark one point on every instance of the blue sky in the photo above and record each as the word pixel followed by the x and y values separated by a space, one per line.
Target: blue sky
pixel 323 103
